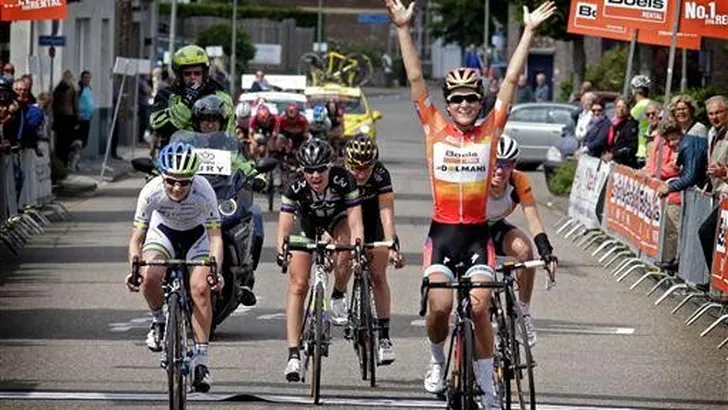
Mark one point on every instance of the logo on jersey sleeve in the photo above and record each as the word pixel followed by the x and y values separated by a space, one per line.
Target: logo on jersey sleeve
pixel 461 164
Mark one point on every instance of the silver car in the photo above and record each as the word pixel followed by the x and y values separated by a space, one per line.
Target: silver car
pixel 537 127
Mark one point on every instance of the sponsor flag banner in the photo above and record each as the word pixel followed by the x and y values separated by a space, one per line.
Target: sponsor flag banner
pixel 634 211
pixel 719 271
pixel 589 180
pixel 709 18
pixel 586 18
pixel 11 10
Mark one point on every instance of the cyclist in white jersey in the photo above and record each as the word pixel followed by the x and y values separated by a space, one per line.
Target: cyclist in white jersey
pixel 177 218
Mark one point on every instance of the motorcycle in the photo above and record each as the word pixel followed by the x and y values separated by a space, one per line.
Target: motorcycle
pixel 221 157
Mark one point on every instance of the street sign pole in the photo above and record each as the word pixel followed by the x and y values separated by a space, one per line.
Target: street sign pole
pixel 671 58
pixel 172 31
pixel 630 59
pixel 52 55
pixel 233 55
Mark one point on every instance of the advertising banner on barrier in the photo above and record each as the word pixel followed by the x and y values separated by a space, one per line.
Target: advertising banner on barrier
pixel 719 272
pixel 696 208
pixel 633 210
pixel 589 180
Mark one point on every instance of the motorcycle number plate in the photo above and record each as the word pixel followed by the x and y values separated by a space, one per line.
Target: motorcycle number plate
pixel 214 161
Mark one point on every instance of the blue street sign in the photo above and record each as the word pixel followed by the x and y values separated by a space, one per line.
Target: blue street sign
pixel 56 41
pixel 372 19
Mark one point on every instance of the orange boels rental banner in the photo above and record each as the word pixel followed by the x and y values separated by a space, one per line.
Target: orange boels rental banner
pixel 709 18
pixel 33 10
pixel 719 271
pixel 640 14
pixel 634 211
pixel 586 18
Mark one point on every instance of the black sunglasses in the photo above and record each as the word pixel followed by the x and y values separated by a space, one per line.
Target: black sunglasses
pixel 320 169
pixel 459 98
pixel 181 182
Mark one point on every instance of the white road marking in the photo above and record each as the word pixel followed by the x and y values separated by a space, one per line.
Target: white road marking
pixel 577 329
pixel 272 398
pixel 273 316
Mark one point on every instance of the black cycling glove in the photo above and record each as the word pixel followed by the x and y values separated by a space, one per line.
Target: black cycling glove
pixel 544 247
pixel 190 95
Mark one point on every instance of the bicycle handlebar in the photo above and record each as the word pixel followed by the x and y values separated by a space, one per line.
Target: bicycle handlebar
pixel 135 279
pixel 320 246
pixel 466 283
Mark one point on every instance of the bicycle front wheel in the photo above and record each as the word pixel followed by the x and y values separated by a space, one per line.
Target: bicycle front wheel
pixel 365 331
pixel 521 362
pixel 467 374
pixel 175 353
pixel 318 307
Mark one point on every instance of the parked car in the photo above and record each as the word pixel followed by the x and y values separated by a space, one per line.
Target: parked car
pixel 538 127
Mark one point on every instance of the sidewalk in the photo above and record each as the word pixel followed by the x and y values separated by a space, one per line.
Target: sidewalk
pixel 87 179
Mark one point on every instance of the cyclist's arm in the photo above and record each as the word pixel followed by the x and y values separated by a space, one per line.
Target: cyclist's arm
pixel 412 64
pixel 142 216
pixel 386 214
pixel 135 243
pixel 533 219
pixel 353 215
pixel 286 222
pixel 216 246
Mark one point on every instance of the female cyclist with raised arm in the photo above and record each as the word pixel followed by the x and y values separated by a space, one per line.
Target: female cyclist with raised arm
pixel 461 154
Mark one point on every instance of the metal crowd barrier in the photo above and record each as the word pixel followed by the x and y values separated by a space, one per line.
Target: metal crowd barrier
pixel 591 222
pixel 27 204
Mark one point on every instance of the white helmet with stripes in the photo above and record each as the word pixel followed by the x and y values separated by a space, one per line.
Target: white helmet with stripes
pixel 508 149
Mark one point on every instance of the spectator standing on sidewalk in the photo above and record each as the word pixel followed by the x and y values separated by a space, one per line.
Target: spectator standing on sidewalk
pixel 260 83
pixel 622 138
pixel 28 78
pixel 9 71
pixel 692 161
pixel 10 122
pixel 86 107
pixel 653 112
pixel 717 108
pixel 542 89
pixel 524 93
pixel 65 115
pixel 145 94
pixel 583 118
pixel 31 113
pixel 683 109
pixel 597 136
pixel 584 88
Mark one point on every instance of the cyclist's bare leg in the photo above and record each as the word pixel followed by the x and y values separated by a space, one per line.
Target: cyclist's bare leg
pixel 517 245
pixel 298 273
pixel 480 302
pixel 438 312
pixel 153 278
pixel 201 304
pixel 378 259
pixel 342 267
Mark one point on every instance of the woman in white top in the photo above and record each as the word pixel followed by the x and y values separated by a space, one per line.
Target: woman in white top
pixel 683 110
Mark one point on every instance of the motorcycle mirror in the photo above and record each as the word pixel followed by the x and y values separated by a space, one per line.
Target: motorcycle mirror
pixel 143 164
pixel 266 165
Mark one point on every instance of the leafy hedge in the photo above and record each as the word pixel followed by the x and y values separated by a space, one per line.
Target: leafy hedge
pixel 608 73
pixel 560 183
pixel 303 18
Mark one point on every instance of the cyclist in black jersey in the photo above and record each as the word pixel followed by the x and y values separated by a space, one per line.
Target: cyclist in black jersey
pixel 323 198
pixel 377 196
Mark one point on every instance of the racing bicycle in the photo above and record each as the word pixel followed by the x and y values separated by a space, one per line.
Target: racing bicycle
pixel 316 327
pixel 362 323
pixel 513 362
pixel 178 341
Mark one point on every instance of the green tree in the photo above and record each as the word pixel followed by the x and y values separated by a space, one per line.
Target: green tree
pixel 221 35
pixel 461 21
pixel 608 72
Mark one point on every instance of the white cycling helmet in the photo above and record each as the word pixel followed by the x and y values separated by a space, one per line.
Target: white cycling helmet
pixel 508 149
pixel 640 82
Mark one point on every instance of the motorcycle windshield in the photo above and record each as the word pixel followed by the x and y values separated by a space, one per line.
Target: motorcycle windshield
pixel 216 150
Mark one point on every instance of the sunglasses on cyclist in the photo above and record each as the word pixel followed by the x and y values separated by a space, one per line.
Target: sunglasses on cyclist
pixel 183 183
pixel 459 98
pixel 505 165
pixel 320 169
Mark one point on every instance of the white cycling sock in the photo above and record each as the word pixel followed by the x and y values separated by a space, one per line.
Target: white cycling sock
pixel 484 375
pixel 158 316
pixel 525 308
pixel 437 351
pixel 201 354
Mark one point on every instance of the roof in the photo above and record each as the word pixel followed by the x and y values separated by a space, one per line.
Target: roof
pixel 272 96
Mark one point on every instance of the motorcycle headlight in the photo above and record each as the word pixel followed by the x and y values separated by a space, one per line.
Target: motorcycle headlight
pixel 554 155
pixel 365 128
pixel 228 207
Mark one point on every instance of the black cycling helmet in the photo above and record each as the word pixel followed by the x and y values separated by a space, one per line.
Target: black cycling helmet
pixel 361 151
pixel 7 95
pixel 210 107
pixel 313 153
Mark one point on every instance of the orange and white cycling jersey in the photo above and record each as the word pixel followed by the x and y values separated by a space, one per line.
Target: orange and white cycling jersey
pixel 517 192
pixel 460 163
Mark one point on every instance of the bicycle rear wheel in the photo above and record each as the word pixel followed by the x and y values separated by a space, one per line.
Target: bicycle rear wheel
pixel 521 362
pixel 318 307
pixel 310 64
pixel 270 190
pixel 175 354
